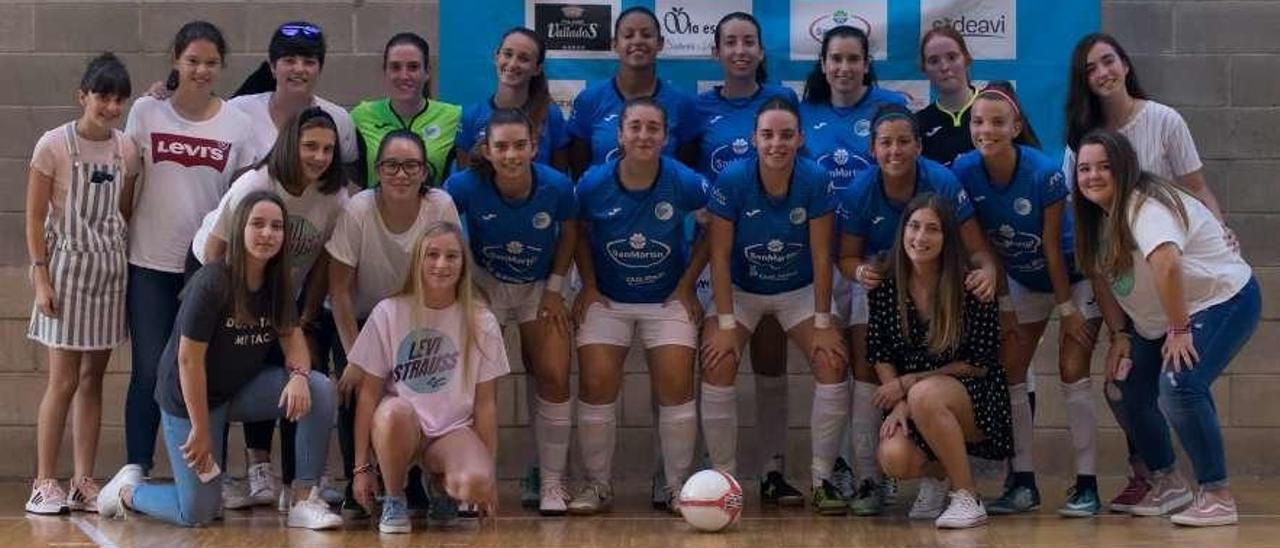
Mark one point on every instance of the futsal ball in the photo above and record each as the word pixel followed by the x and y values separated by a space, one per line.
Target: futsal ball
pixel 711 500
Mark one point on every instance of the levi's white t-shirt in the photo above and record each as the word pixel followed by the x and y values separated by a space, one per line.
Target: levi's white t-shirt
pixel 258 108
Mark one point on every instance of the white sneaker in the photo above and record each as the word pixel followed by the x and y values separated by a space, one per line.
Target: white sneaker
pixel 554 499
pixel 964 511
pixel 591 499
pixel 930 501
pixel 313 513
pixel 82 495
pixel 328 492
pixel 109 504
pixel 47 498
pixel 261 490
pixel 1168 492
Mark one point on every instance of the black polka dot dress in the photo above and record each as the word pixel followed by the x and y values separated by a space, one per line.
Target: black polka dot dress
pixel 979 347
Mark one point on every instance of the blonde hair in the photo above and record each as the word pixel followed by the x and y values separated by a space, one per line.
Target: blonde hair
pixel 464 291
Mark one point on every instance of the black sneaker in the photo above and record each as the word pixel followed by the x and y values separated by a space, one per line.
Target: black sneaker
pixel 827 501
pixel 350 508
pixel 416 494
pixel 842 479
pixel 774 489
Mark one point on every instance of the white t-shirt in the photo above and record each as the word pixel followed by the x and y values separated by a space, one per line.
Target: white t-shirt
pixel 1161 139
pixel 422 361
pixel 258 108
pixel 381 258
pixel 1211 272
pixel 312 217
pixel 187 166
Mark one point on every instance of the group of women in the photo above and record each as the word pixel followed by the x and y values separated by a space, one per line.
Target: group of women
pixel 921 254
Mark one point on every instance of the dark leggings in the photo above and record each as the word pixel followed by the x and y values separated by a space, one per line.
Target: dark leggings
pixel 151 305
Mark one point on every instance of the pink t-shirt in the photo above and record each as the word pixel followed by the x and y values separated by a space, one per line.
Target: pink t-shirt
pixel 421 358
pixel 52 159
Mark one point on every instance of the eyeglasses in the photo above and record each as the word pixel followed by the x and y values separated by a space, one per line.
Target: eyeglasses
pixel 388 168
pixel 292 29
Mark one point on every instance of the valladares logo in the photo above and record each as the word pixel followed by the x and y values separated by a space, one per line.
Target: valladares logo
pixel 574 27
pixel 837 18
pixel 189 151
pixel 976 27
pixel 426 360
pixel 637 251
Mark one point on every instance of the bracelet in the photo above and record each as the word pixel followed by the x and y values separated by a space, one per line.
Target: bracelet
pixel 1006 303
pixel 366 468
pixel 821 320
pixel 727 321
pixel 298 371
pixel 1066 308
pixel 555 283
pixel 857 272
pixel 1184 330
pixel 39 262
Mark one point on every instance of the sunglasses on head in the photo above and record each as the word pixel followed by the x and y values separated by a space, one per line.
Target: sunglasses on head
pixel 295 29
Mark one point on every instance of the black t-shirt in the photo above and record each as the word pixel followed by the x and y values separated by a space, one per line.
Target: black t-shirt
pixel 236 350
pixel 944 136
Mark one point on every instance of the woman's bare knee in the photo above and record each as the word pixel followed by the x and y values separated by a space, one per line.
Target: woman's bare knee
pixel 470 483
pixel 899 457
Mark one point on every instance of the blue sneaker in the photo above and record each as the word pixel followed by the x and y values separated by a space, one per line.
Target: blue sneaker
pixel 1016 500
pixel 1081 503
pixel 395 515
pixel 442 510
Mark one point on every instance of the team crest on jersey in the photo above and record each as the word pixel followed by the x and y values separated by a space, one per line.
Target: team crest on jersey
pixel 862 127
pixel 637 251
pixel 1022 206
pixel 431 132
pixel 663 211
pixel 841 156
pixel 775 246
pixel 515 247
pixel 541 220
pixel 741 146
pixel 797 216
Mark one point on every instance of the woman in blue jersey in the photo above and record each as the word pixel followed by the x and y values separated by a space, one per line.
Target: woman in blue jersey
pixel 520 222
pixel 770 240
pixel 638 277
pixel 870 209
pixel 1020 198
pixel 728 114
pixel 522 84
pixel 637 39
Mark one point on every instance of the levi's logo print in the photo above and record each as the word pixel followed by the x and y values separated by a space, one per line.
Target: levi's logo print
pixel 189 151
pixel 426 361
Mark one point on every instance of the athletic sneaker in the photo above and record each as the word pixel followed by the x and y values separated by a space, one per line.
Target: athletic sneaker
pixel 553 499
pixel 1208 510
pixel 109 503
pixel 965 510
pixel 351 509
pixel 82 495
pixel 262 490
pixel 593 499
pixel 827 500
pixel 842 478
pixel 930 501
pixel 1016 500
pixel 313 513
pixel 395 515
pixel 658 496
pixel 1168 492
pixel 868 499
pixel 1132 494
pixel 442 510
pixel 774 489
pixel 531 488
pixel 467 510
pixel 1081 503
pixel 47 498
pixel 673 501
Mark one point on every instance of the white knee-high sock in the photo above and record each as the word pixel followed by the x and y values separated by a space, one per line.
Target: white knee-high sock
pixel 531 399
pixel 771 422
pixel 678 428
pixel 865 431
pixel 720 426
pixel 1082 418
pixel 551 426
pixel 827 417
pixel 1023 434
pixel 597 436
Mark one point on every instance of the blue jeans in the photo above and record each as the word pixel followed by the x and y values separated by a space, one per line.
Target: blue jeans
pixel 187 501
pixel 151 305
pixel 1218 332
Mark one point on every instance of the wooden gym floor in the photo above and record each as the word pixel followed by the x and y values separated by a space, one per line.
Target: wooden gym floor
pixel 633 524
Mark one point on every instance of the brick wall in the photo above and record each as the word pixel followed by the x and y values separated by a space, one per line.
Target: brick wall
pixel 1216 62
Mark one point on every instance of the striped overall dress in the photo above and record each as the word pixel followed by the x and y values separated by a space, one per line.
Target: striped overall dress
pixel 87 257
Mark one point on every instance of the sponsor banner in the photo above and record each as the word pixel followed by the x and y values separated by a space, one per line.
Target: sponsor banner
pixel 688 26
pixel 811 19
pixel 563 92
pixel 989 27
pixel 573 30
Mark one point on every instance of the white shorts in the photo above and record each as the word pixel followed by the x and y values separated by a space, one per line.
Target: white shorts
pixel 511 304
pixel 1033 306
pixel 789 307
pixel 658 324
pixel 849 301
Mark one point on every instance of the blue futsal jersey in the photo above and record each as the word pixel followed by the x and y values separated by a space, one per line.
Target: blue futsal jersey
pixel 1013 215
pixel 865 211
pixel 597 108
pixel 771 252
pixel 728 125
pixel 839 138
pixel 514 240
pixel 552 136
pixel 637 238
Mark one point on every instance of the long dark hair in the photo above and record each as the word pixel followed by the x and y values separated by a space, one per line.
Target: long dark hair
pixel 192 32
pixel 276 293
pixel 1002 90
pixel 500 117
pixel 284 164
pixel 298 38
pixel 761 74
pixel 1084 110
pixel 538 103
pixel 946 328
pixel 1105 243
pixel 106 76
pixel 816 87
pixel 411 39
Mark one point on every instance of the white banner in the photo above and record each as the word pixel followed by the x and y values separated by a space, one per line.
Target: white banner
pixel 689 26
pixel 989 27
pixel 810 19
